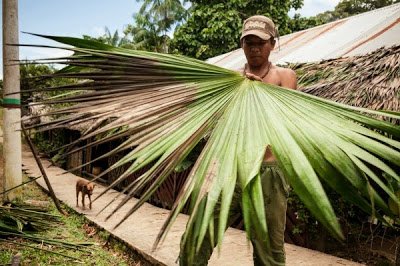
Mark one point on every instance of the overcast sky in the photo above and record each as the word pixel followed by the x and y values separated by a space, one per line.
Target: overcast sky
pixel 78 17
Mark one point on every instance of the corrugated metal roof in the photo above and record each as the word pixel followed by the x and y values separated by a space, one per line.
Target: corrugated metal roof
pixel 354 35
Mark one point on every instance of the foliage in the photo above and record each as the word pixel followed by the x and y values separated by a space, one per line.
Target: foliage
pixel 345 211
pixel 24 218
pixel 170 102
pixel 28 72
pixel 147 33
pixel 47 141
pixel 28 222
pixel 111 39
pixel 344 9
pixel 72 229
pixel 367 240
pixel 34 76
pixel 150 28
pixel 192 157
pixel 303 215
pixel 164 14
pixel 298 23
pixel 214 27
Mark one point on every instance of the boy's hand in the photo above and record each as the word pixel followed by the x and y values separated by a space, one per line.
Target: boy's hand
pixel 253 77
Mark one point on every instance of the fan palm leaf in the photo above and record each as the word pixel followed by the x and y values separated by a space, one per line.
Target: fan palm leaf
pixel 163 105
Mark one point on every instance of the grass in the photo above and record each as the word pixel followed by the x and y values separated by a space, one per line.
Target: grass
pixel 105 250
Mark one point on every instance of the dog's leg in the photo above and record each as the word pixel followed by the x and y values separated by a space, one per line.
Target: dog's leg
pixel 90 201
pixel 83 200
pixel 77 196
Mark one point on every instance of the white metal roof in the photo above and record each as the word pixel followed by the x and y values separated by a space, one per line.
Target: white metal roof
pixel 354 35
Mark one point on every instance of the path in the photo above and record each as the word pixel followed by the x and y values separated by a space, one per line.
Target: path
pixel 140 229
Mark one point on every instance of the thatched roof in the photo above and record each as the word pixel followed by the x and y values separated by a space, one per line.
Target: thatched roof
pixel 36 116
pixel 371 81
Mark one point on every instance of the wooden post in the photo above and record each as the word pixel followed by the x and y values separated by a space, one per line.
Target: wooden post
pixel 39 163
pixel 11 103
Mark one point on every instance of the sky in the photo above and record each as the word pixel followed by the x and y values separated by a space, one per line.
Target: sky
pixel 90 17
pixel 313 7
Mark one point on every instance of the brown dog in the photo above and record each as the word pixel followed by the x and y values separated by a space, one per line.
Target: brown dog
pixel 87 189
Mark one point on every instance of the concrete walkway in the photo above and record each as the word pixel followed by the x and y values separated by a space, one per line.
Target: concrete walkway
pixel 140 229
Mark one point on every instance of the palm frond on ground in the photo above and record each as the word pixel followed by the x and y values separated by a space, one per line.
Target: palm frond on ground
pixel 25 221
pixel 163 105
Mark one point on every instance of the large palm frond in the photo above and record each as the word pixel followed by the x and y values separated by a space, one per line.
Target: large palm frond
pixel 165 104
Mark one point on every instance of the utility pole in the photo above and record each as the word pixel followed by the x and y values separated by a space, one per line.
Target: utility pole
pixel 12 175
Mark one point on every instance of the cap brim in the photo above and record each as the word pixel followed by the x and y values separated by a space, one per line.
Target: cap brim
pixel 262 35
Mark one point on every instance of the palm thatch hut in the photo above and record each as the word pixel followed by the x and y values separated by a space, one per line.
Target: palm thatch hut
pixel 371 81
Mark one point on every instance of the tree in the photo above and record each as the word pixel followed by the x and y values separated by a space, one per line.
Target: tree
pixel 165 104
pixel 36 77
pixel 111 39
pixel 343 9
pixel 353 7
pixel 114 39
pixel 298 23
pixel 346 8
pixel 214 27
pixel 146 33
pixel 164 14
pixel 32 77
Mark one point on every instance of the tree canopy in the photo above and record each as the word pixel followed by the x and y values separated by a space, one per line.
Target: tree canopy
pixel 298 23
pixel 113 39
pixel 152 23
pixel 146 33
pixel 343 9
pixel 346 8
pixel 214 27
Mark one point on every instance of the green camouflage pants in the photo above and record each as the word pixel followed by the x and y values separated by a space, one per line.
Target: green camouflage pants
pixel 275 190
